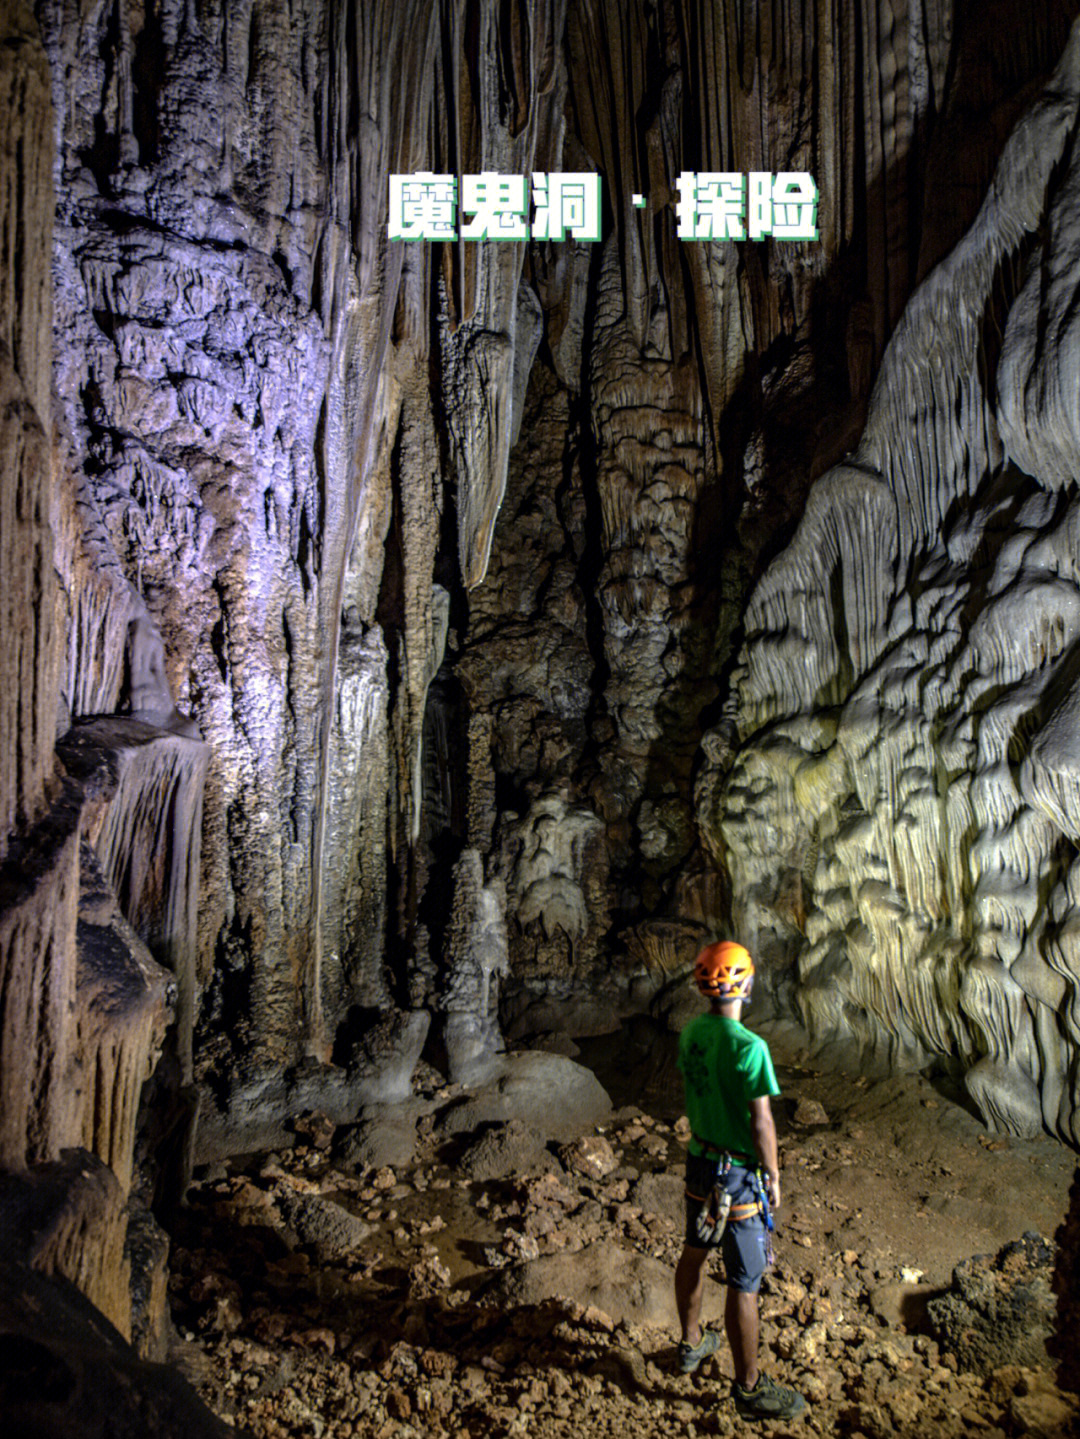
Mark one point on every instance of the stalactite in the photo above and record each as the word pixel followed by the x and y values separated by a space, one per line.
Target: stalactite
pixel 355 891
pixel 146 833
pixel 68 1217
pixel 39 893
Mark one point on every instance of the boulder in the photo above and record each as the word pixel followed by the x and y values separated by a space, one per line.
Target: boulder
pixel 590 1155
pixel 384 1135
pixel 630 1287
pixel 999 1309
pixel 808 1112
pixel 507 1151
pixel 331 1229
pixel 552 1095
pixel 261 1112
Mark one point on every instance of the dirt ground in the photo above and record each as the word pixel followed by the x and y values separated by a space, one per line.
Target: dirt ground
pixel 414 1299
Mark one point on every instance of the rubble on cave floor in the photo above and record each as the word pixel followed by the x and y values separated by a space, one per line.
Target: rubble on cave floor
pixel 496 1285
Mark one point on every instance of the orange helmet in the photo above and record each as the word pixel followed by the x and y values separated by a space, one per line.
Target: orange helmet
pixel 724 971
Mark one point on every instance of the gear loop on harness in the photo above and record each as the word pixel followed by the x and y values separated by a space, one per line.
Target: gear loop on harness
pixel 713 1216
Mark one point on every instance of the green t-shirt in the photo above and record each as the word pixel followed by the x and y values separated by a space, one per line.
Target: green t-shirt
pixel 725 1066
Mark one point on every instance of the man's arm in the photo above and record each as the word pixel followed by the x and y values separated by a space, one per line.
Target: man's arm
pixel 764 1132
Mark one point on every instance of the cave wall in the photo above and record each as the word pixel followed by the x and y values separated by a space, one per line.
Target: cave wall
pixel 404 552
pixel 27 646
pixel 391 629
pixel 900 815
pixel 84 1005
pixel 40 835
pixel 684 399
pixel 254 454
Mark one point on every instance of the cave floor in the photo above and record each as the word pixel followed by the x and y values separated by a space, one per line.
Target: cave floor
pixel 887 1186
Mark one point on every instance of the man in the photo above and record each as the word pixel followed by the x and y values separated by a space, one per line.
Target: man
pixel 729 1080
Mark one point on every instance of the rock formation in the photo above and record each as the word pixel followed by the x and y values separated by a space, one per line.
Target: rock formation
pixel 98 855
pixel 370 609
pixel 285 441
pixel 478 958
pixel 900 820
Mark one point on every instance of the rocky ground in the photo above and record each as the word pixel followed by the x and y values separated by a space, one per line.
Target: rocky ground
pixel 400 1278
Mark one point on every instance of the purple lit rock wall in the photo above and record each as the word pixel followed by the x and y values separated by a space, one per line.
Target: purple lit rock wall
pixel 247 424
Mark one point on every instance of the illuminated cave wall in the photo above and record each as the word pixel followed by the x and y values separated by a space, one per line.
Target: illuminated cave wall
pixel 249 432
pixel 682 402
pixel 373 558
pixel 902 813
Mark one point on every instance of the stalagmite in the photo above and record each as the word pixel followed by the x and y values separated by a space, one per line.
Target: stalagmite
pixel 478 960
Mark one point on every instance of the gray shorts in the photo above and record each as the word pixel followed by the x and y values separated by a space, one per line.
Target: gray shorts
pixel 744 1243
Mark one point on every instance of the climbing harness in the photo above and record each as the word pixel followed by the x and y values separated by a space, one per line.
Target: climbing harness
pixel 712 1216
pixel 715 1206
pixel 717 1209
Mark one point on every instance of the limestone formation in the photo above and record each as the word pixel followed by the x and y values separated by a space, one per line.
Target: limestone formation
pixel 27 634
pixel 629 1288
pixel 261 1112
pixel 369 610
pixel 546 1092
pixel 100 853
pixel 372 495
pixel 549 874
pixel 900 819
pixel 999 1308
pixel 478 961
pixel 144 792
pixel 66 1371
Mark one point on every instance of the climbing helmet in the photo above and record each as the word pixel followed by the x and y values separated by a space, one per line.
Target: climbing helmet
pixel 724 971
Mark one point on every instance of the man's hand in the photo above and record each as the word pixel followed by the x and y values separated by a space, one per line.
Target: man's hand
pixel 764 1131
pixel 772 1188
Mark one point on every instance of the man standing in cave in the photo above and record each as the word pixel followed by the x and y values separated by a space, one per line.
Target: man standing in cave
pixel 732 1177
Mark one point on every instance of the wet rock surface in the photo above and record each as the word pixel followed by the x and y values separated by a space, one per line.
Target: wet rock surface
pixel 538 1300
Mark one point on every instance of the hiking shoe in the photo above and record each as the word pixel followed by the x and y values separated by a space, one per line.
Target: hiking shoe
pixel 767 1400
pixel 691 1355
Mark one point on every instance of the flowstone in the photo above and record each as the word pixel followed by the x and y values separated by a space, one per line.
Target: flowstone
pixel 900 819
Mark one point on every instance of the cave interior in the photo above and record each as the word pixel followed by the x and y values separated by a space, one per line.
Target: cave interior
pixel 413 650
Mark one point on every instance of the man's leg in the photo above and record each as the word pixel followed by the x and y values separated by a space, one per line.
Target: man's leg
pixel 756 1395
pixel 689 1289
pixel 741 1323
